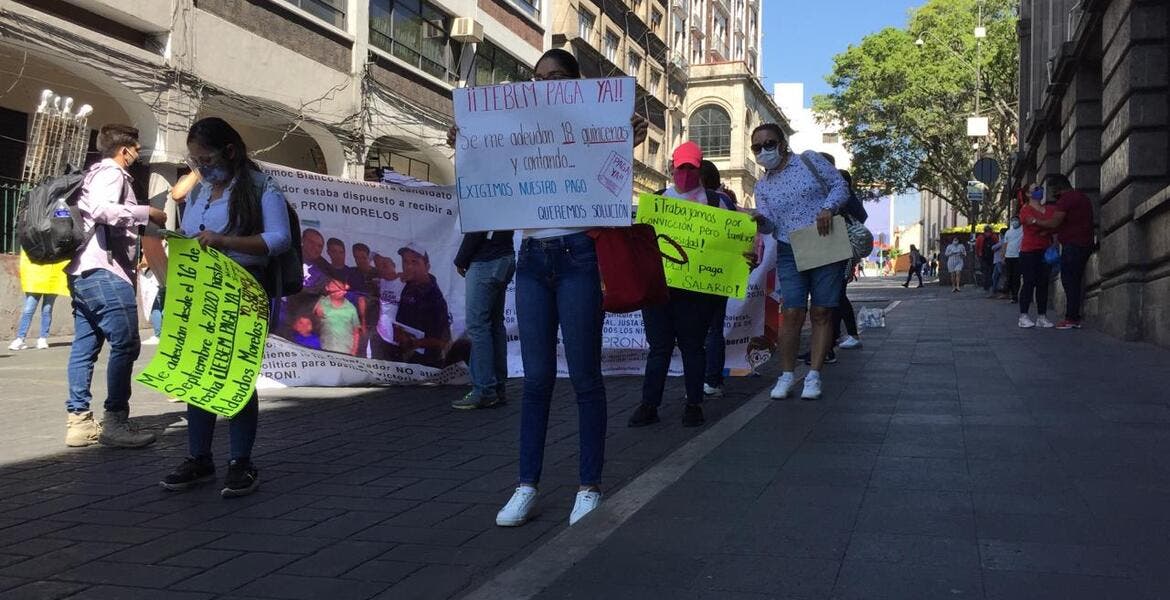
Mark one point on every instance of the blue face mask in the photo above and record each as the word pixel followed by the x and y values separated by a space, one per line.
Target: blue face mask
pixel 1038 194
pixel 216 175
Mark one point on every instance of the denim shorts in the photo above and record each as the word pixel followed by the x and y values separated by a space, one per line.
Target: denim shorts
pixel 823 283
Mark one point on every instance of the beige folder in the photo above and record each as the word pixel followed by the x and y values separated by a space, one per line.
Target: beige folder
pixel 813 250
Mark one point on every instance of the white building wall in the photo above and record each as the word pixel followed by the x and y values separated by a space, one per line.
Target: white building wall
pixel 810 134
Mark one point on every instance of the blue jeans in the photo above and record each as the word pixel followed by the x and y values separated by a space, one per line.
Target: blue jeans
pixel 156 311
pixel 30 308
pixel 487 283
pixel 241 428
pixel 557 283
pixel 685 320
pixel 716 345
pixel 105 308
pixel 823 283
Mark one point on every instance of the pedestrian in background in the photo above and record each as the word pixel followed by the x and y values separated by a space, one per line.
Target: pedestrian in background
pixel 240 211
pixel 998 270
pixel 799 191
pixel 916 262
pixel 1014 237
pixel 102 277
pixel 955 253
pixel 487 261
pixel 1035 271
pixel 1072 219
pixel 41 285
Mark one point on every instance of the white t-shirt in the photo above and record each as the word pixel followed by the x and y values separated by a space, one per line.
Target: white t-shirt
pixel 390 294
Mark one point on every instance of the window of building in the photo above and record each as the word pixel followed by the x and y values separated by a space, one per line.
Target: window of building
pixel 710 128
pixel 330 11
pixel 652 147
pixel 493 65
pixel 532 7
pixel 830 138
pixel 610 46
pixel 655 82
pixel 416 32
pixel 585 21
pixel 655 18
pixel 635 64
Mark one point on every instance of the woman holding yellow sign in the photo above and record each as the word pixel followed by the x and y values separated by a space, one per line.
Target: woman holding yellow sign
pixel 799 191
pixel 239 211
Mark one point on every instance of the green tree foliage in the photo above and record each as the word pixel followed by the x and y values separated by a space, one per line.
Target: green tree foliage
pixel 904 105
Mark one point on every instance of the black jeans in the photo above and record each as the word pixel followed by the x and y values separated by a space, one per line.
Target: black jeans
pixel 716 345
pixel 1072 276
pixel 1013 277
pixel 914 271
pixel 844 312
pixel 1035 273
pixel 986 266
pixel 685 320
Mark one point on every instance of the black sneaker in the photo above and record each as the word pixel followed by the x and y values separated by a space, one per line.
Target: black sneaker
pixel 644 415
pixel 188 474
pixel 830 358
pixel 693 416
pixel 242 479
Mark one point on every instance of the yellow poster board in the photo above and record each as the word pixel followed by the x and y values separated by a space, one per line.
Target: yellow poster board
pixel 43 279
pixel 215 324
pixel 715 240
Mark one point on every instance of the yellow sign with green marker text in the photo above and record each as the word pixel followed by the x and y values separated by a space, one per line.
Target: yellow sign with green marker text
pixel 215 323
pixel 715 241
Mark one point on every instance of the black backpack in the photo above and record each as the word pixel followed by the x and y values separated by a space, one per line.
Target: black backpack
pixel 48 224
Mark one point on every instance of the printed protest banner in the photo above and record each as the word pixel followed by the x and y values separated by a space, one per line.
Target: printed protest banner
pixel 214 331
pixel 371 236
pixel 382 303
pixel 537 154
pixel 715 241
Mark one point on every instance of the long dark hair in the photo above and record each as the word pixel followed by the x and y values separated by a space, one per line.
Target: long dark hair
pixel 565 59
pixel 245 216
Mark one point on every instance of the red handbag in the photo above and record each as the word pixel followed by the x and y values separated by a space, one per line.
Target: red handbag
pixel 630 262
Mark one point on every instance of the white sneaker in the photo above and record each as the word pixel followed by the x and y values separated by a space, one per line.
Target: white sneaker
pixel 714 392
pixel 1043 322
pixel 1026 322
pixel 783 386
pixel 150 341
pixel 849 341
pixel 519 506
pixel 812 388
pixel 42 344
pixel 586 502
pixel 17 344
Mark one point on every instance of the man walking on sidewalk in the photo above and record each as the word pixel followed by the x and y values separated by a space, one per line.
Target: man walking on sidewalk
pixel 1073 222
pixel 101 281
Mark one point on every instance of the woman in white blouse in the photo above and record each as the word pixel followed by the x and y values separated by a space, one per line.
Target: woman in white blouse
pixel 799 191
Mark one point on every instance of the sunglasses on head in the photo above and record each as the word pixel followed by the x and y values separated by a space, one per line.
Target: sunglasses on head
pixel 769 145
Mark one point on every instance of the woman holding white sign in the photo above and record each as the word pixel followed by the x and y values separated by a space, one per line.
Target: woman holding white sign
pixel 799 191
pixel 558 285
pixel 238 210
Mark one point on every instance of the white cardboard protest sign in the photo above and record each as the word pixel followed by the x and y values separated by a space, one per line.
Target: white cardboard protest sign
pixel 545 154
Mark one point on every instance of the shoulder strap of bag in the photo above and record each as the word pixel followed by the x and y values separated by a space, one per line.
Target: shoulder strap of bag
pixel 821 180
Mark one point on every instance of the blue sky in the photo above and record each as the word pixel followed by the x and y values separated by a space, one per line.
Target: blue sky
pixel 801 38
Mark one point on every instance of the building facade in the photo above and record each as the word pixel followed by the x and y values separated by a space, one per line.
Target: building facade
pixel 1094 83
pixel 344 87
pixel 936 215
pixel 808 132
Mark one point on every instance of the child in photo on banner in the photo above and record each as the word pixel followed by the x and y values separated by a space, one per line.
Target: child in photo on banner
pixel 340 324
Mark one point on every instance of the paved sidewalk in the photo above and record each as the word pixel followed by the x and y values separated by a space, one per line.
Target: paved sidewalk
pixel 384 493
pixel 954 456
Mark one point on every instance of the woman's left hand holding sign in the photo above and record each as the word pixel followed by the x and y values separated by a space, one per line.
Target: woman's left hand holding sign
pixel 210 239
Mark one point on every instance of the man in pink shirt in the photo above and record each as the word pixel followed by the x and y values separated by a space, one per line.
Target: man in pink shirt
pixel 101 280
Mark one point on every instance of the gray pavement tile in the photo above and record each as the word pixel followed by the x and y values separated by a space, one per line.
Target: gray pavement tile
pixel 513 538
pixel 913 550
pixel 27 530
pixel 1009 585
pixel 234 573
pixel 135 575
pixel 693 534
pixel 1142 501
pixel 441 555
pixel 56 561
pixel 86 532
pixel 863 580
pixel 165 547
pixel 801 542
pixel 415 535
pixel 386 571
pixel 587 590
pixel 1070 559
pixel 841 449
pixel 259 542
pixel 920 473
pixel 1067 504
pixel 430 582
pixel 343 526
pixel 42 590
pixel 392 506
pixel 715 473
pixel 112 592
pixel 337 559
pixel 295 587
pixel 923 448
pixel 788 578
pixel 124 518
pixel 782 495
pixel 915 521
pixel 11 582
pixel 1052 529
pixel 203 558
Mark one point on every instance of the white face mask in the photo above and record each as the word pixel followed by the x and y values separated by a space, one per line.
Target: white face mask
pixel 769 159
